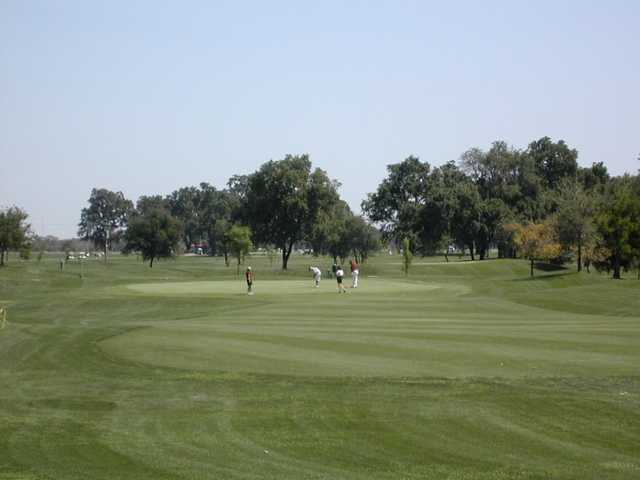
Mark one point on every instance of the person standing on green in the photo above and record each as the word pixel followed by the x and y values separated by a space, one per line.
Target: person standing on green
pixel 248 275
pixel 339 277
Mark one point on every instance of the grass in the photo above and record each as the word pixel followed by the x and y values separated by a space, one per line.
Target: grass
pixel 469 370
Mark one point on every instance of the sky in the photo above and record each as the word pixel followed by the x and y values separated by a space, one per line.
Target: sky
pixel 148 97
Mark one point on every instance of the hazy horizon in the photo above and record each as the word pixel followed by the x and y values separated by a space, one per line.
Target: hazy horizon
pixel 147 97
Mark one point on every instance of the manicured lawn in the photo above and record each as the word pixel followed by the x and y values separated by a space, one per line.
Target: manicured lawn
pixel 458 371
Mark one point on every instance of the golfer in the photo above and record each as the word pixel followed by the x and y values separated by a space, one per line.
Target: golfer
pixel 339 276
pixel 316 275
pixel 355 271
pixel 248 274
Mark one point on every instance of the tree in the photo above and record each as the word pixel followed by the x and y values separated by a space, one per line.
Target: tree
pixel 218 212
pixel 364 239
pixel 573 221
pixel 466 217
pixel 184 204
pixel 493 212
pixel 553 161
pixel 398 201
pixel 285 199
pixel 153 232
pixel 407 256
pixel 239 243
pixel 536 242
pixel 435 223
pixel 105 218
pixel 594 178
pixel 329 233
pixel 618 223
pixel 14 231
pixel 506 235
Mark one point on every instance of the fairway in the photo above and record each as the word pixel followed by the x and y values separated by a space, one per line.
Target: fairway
pixel 458 371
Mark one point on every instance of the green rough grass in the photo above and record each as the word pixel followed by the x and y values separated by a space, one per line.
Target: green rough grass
pixel 459 371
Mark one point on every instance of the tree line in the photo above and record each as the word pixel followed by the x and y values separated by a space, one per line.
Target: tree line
pixel 535 203
pixel 283 204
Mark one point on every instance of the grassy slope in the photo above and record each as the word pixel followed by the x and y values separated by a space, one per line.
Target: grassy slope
pixel 491 375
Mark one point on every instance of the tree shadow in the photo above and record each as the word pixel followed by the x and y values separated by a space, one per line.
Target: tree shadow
pixel 547 276
pixel 549 267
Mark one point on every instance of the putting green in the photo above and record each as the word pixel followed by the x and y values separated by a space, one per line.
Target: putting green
pixel 276 287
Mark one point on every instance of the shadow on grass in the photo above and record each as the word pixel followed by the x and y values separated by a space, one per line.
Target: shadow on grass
pixel 545 276
pixel 550 267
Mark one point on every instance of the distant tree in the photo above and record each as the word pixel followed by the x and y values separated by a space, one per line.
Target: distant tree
pixel 14 231
pixel 573 221
pixel 329 235
pixel 25 250
pixel 595 253
pixel 397 203
pixel 219 211
pixel 239 243
pixel 553 161
pixel 618 223
pixel 154 232
pixel 364 239
pixel 407 256
pixel 436 216
pixel 466 218
pixel 184 204
pixel 105 218
pixel 493 212
pixel 271 254
pixel 285 199
pixel 148 203
pixel 536 242
pixel 506 239
pixel 595 177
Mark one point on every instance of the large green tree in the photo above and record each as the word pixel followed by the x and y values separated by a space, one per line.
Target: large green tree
pixel 104 220
pixel 284 199
pixel 153 232
pixel 329 234
pixel 14 231
pixel 618 223
pixel 398 202
pixel 184 204
pixel 553 160
pixel 219 211
pixel 573 221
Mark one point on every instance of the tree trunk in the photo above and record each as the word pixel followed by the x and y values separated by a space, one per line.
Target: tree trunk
pixel 226 258
pixel 579 256
pixel 151 262
pixel 616 267
pixel 286 252
pixel 446 255
pixel 532 267
pixel 106 249
pixel 471 251
pixel 1 258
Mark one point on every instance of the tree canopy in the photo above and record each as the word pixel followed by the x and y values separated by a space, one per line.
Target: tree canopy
pixel 105 219
pixel 153 232
pixel 14 231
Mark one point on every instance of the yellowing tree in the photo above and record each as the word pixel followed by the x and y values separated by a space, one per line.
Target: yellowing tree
pixel 536 242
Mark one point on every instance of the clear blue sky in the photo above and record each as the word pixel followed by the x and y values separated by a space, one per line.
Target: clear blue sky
pixel 147 97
